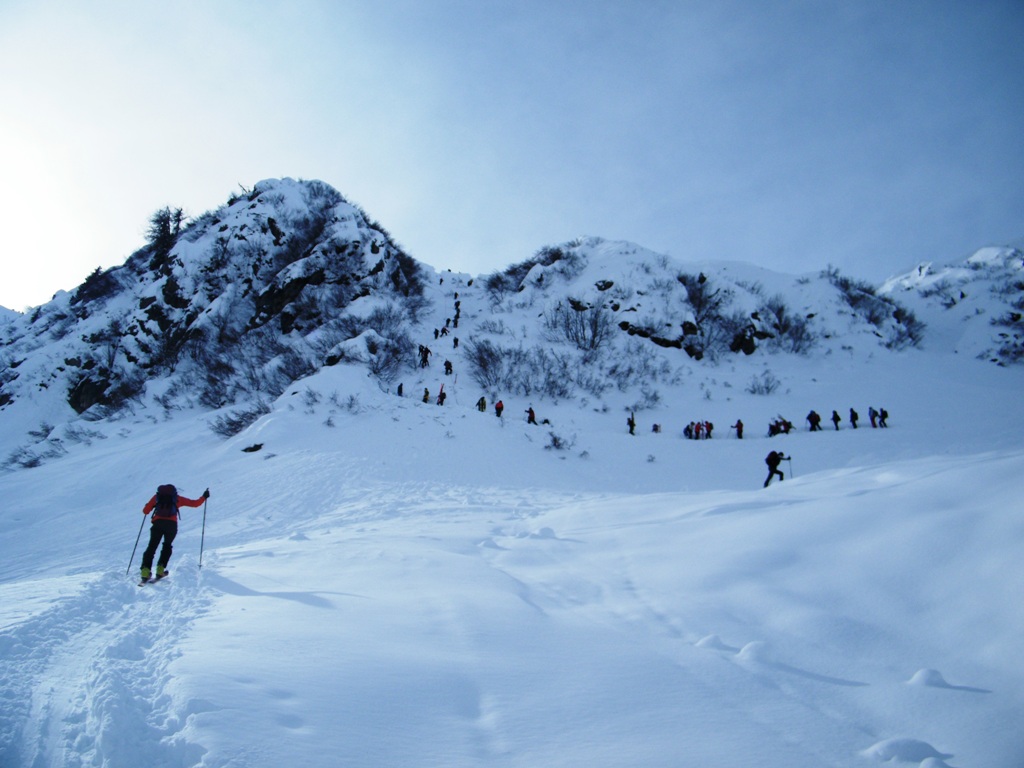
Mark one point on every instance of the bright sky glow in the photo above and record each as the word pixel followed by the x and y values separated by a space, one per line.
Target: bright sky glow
pixel 794 135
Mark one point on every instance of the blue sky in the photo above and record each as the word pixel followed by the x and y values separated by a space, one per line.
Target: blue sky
pixel 794 135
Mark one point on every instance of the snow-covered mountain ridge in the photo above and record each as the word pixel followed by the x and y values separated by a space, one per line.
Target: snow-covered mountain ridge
pixel 237 304
pixel 973 308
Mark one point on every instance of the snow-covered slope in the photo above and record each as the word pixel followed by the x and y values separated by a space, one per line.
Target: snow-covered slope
pixel 235 304
pixel 387 581
pixel 973 308
pixel 233 307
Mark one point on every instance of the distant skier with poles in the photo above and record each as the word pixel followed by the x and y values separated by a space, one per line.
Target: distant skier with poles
pixel 164 506
pixel 773 460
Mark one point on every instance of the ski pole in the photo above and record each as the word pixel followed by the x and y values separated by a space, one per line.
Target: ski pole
pixel 202 538
pixel 790 462
pixel 135 547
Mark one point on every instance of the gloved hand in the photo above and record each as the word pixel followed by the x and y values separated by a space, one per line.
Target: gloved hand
pixel 206 493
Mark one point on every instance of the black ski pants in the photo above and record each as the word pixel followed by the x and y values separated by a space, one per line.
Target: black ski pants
pixel 165 530
pixel 772 472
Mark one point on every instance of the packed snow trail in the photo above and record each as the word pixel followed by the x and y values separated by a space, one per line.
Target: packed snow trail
pixel 86 682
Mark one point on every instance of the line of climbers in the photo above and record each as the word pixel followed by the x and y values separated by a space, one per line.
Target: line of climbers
pixel 878 418
pixel 702 430
pixel 695 430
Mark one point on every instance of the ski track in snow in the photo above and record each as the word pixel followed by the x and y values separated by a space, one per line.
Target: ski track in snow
pixel 85 682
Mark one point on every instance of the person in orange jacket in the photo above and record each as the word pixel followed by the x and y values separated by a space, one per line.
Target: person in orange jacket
pixel 164 506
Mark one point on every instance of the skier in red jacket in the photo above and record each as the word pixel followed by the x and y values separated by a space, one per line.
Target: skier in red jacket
pixel 164 506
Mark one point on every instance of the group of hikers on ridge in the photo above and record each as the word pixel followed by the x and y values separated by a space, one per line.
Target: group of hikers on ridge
pixel 702 430
pixel 877 417
pixel 698 430
pixel 695 430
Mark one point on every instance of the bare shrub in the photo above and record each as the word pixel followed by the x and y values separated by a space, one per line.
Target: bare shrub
pixel 388 359
pixel 638 363
pixel 486 366
pixel 496 327
pixel 711 330
pixel 42 431
pixel 765 384
pixel 790 332
pixel 310 399
pixel 498 285
pixel 908 331
pixel 649 398
pixel 558 443
pixel 79 434
pixel 879 310
pixel 230 424
pixel 22 457
pixel 585 327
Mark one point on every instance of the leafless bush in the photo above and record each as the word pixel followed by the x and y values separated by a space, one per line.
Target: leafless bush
pixel 765 384
pixel 310 399
pixel 22 457
pixel 907 330
pixel 710 331
pixel 587 328
pixel 389 358
pixel 649 398
pixel 496 327
pixel 42 431
pixel 790 332
pixel 638 363
pixel 486 366
pixel 230 424
pixel 79 434
pixel 558 443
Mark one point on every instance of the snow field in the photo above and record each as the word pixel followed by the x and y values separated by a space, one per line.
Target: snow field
pixel 417 585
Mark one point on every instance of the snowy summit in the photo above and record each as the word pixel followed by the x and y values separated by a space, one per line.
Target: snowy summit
pixel 388 572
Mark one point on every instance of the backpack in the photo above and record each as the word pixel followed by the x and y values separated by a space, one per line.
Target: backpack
pixel 166 502
pixel 772 459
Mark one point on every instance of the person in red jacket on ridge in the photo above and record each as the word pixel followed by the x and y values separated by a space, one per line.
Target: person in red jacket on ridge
pixel 164 506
